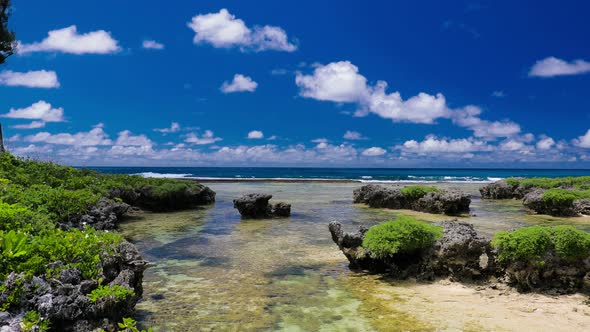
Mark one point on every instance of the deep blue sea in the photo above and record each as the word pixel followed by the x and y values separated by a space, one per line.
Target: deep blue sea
pixel 358 174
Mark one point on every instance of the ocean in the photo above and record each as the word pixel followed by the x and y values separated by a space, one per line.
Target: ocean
pixel 343 174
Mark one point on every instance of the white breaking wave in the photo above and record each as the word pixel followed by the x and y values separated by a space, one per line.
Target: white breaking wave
pixel 366 177
pixel 163 175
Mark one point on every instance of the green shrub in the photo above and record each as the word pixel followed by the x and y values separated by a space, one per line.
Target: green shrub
pixel 579 182
pixel 403 235
pixel 32 321
pixel 531 244
pixel 417 192
pixel 15 216
pixel 571 243
pixel 117 292
pixel 524 244
pixel 563 197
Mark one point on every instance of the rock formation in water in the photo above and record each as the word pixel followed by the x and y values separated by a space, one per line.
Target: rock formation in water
pixel 256 205
pixel 461 254
pixel 439 202
pixel 501 190
pixel 537 203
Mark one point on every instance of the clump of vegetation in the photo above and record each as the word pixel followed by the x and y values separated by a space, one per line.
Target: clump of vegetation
pixel 579 182
pixel 116 292
pixel 532 244
pixel 401 236
pixel 32 321
pixel 130 325
pixel 563 197
pixel 416 192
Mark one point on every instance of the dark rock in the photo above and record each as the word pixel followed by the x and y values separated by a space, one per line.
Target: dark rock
pixel 104 215
pixel 582 207
pixel 533 201
pixel 442 202
pixel 281 209
pixel 257 206
pixel 501 190
pixel 254 205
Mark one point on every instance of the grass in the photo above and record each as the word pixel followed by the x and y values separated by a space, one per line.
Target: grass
pixel 579 182
pixel 416 192
pixel 563 197
pixel 116 292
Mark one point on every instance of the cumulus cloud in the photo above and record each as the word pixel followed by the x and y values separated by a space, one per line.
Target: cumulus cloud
pixel 126 138
pixel 545 143
pixel 552 66
pixel 498 94
pixel 337 81
pixel 174 127
pixel 152 45
pixel 374 151
pixel 68 40
pixel 469 117
pixel 353 135
pixel 40 110
pixel 255 134
pixel 32 125
pixel 94 137
pixel 583 141
pixel 224 30
pixel 240 83
pixel 30 79
pixel 433 145
pixel 511 145
pixel 206 138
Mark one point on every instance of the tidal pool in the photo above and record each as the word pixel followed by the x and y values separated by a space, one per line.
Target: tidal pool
pixel 215 272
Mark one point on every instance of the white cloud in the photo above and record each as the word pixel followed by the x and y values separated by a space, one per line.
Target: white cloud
pixel 224 30
pixel 152 44
pixel 68 40
pixel 40 110
pixel 374 151
pixel 511 145
pixel 32 125
pixel 94 137
pixel 126 138
pixel 31 79
pixel 341 82
pixel 469 117
pixel 207 138
pixel 174 127
pixel 545 143
pixel 240 83
pixel 432 145
pixel 498 94
pixel 552 66
pixel 255 134
pixel 583 141
pixel 353 135
pixel 337 81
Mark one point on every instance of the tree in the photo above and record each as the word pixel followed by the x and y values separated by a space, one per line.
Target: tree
pixel 7 37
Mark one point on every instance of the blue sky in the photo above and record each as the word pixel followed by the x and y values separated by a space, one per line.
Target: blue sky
pixel 309 83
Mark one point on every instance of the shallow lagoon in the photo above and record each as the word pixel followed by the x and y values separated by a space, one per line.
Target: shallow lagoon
pixel 215 272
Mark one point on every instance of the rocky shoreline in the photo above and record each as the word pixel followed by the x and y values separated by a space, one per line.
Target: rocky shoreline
pixel 463 255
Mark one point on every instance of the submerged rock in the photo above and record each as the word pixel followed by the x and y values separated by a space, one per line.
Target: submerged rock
pixel 441 202
pixel 461 254
pixel 256 205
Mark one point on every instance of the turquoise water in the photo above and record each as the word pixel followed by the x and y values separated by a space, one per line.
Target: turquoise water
pixel 215 272
pixel 361 174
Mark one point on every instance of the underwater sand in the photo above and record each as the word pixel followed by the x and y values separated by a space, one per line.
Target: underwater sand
pixel 215 272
